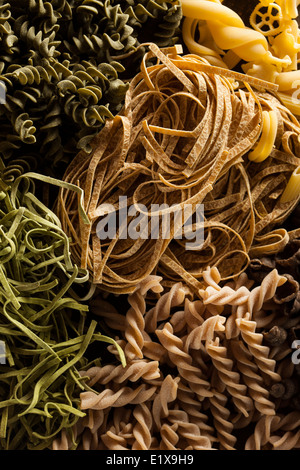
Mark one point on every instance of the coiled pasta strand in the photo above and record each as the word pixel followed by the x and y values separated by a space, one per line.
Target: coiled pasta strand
pixel 251 377
pixel 69 45
pixel 254 341
pixel 123 396
pixel 162 309
pixel 166 395
pixel 257 297
pixel 133 371
pixel 169 436
pixel 204 332
pixel 183 361
pixel 231 378
pixel 222 421
pixel 225 296
pixel 135 323
pixel 188 432
pixel 142 430
pixel 265 291
pixel 264 438
pixel 229 32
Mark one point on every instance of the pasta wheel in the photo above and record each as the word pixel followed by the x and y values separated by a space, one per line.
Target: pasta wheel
pixel 267 19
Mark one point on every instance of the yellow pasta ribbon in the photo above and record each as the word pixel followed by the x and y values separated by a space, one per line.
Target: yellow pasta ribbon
pixel 267 139
pixel 292 190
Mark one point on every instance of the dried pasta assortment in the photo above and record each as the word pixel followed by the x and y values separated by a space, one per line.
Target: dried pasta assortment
pixel 188 134
pixel 199 372
pixel 265 43
pixel 58 67
pixel 116 334
pixel 44 325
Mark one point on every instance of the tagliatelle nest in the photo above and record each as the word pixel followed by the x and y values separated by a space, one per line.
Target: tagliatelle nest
pixel 183 137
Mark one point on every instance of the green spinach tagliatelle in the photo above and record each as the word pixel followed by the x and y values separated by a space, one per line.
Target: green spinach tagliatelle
pixel 45 328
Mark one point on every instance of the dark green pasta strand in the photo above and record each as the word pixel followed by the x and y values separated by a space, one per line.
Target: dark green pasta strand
pixel 59 63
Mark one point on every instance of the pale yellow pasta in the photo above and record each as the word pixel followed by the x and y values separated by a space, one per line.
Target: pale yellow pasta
pixel 205 49
pixel 292 188
pixel 265 144
pixel 230 32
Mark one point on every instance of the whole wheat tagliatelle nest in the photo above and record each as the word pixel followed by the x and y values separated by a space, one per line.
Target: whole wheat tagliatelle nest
pixel 183 137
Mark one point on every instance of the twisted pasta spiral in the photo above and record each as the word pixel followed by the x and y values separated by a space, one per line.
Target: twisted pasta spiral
pixel 183 361
pixel 142 429
pixel 260 352
pixel 63 51
pixel 133 371
pixel 229 377
pixel 123 396
pixel 251 377
pixel 276 432
pixel 222 422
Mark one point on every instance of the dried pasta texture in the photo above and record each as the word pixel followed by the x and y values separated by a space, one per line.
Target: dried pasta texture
pixel 61 78
pixel 182 139
pixel 190 385
pixel 44 328
pixel 260 37
pixel 280 325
